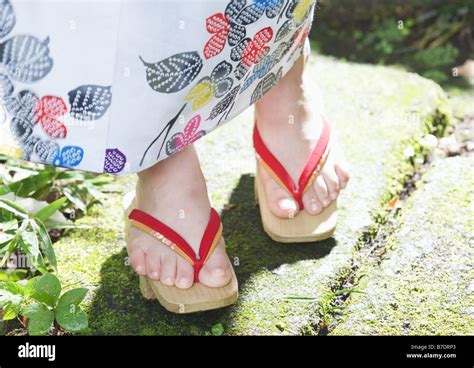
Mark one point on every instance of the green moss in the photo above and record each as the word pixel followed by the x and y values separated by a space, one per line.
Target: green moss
pixel 420 285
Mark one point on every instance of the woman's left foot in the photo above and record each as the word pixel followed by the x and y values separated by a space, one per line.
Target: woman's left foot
pixel 290 125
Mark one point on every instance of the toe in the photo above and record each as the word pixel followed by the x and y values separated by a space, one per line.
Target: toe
pixel 342 174
pixel 153 263
pixel 137 259
pixel 312 205
pixel 279 202
pixel 321 190
pixel 332 182
pixel 284 207
pixel 168 268
pixel 184 274
pixel 216 272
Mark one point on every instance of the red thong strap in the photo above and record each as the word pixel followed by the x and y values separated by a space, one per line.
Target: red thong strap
pixel 175 242
pixel 278 172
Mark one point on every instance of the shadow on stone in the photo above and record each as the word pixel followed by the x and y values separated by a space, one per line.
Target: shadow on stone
pixel 250 246
pixel 119 309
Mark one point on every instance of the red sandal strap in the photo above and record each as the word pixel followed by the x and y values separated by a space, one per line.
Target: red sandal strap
pixel 176 242
pixel 276 169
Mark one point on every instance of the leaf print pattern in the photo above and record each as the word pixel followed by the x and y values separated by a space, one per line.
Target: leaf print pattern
pixel 298 12
pixel 265 85
pixel 164 132
pixel 246 14
pixel 27 110
pixel 38 120
pixel 190 134
pixel 285 30
pixel 201 94
pixel 301 10
pixel 223 30
pixel 27 106
pixel 251 51
pixel 7 18
pixel 115 161
pixel 21 129
pixel 47 151
pixel 231 25
pixel 29 146
pixel 89 102
pixel 301 34
pixel 267 64
pixel 23 106
pixel 224 105
pixel 6 87
pixel 70 156
pixel 26 58
pixel 217 85
pixel 50 109
pixel 174 73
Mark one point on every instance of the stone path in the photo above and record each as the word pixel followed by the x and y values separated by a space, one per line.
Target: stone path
pixel 424 283
pixel 379 115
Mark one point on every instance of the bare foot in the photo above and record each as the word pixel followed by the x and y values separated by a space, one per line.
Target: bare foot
pixel 174 191
pixel 290 125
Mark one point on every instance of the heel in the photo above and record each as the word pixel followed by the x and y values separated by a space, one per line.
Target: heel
pixel 146 289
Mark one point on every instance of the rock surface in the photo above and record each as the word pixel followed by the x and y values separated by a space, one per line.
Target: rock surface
pixel 424 284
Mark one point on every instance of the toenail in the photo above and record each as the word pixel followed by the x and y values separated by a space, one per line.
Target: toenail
pixel 168 281
pixel 139 269
pixel 314 207
pixel 218 272
pixel 343 184
pixel 326 202
pixel 154 275
pixel 286 204
pixel 333 195
pixel 183 282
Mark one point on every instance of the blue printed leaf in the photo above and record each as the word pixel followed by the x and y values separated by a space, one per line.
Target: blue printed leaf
pixel 273 7
pixel 70 156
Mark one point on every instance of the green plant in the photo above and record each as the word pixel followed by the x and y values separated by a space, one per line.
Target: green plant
pixel 33 199
pixel 40 302
pixel 25 232
pixel 41 182
pixel 217 329
pixel 327 306
pixel 428 37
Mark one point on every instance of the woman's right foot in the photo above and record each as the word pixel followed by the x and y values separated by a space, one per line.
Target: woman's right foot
pixel 174 191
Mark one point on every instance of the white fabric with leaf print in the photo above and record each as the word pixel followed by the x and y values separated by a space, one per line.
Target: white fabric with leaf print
pixel 116 86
